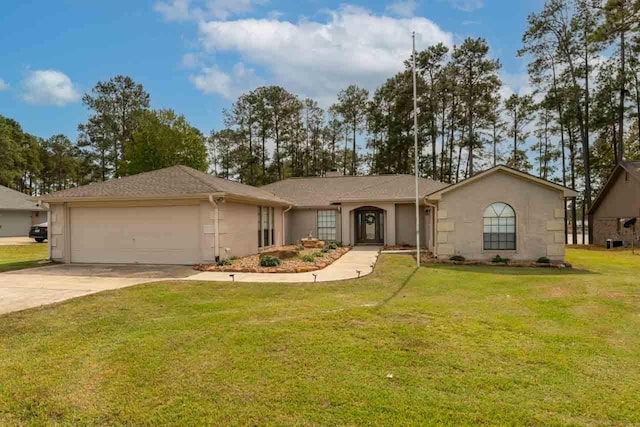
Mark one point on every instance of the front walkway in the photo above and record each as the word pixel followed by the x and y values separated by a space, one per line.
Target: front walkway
pixel 358 262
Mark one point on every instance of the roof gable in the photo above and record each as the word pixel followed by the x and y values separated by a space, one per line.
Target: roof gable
pixel 631 167
pixel 15 200
pixel 176 181
pixel 436 195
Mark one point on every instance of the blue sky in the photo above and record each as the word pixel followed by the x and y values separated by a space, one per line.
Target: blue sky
pixel 195 56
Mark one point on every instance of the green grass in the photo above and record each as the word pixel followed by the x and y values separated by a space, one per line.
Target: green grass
pixel 465 345
pixel 21 256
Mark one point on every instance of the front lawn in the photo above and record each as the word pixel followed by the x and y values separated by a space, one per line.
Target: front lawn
pixel 441 345
pixel 21 256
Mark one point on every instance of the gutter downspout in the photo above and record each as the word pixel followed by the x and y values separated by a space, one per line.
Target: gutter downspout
pixel 284 229
pixel 434 222
pixel 216 228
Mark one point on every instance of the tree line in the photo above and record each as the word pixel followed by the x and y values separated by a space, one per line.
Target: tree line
pixel 580 119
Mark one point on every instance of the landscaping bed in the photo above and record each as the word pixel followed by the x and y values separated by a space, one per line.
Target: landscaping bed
pixel 428 258
pixel 301 261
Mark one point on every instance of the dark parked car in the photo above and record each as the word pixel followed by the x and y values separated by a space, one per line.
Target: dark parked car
pixel 39 232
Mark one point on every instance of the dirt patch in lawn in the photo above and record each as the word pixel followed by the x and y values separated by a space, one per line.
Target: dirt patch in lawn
pixel 251 264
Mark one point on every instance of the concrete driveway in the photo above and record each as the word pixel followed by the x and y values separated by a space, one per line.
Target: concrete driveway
pixel 34 287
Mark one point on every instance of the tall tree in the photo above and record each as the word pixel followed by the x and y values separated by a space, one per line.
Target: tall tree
pixel 163 139
pixel 479 82
pixel 115 104
pixel 521 111
pixel 352 106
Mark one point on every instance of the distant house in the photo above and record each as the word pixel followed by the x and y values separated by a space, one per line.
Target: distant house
pixel 182 216
pixel 18 212
pixel 617 202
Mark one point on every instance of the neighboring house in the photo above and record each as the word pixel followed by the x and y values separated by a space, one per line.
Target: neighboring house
pixel 18 212
pixel 182 216
pixel 617 202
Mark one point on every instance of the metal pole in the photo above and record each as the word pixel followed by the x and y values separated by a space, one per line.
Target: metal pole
pixel 415 137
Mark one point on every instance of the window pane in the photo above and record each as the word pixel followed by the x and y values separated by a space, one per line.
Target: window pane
pixel 327 220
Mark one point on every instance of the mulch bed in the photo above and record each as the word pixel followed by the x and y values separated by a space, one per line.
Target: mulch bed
pixel 429 259
pixel 251 264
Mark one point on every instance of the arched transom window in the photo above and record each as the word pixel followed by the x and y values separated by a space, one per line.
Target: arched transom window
pixel 499 227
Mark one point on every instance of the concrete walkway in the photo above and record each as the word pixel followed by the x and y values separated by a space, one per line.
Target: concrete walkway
pixel 359 259
pixel 35 287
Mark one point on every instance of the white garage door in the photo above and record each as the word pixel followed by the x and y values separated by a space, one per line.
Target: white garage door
pixel 144 235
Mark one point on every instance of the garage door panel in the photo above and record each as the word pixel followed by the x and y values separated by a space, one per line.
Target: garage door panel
pixel 145 235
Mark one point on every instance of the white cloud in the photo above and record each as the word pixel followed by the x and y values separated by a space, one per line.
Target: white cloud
pixel 185 10
pixel 190 60
pixel 466 5
pixel 212 80
pixel 49 87
pixel 3 85
pixel 174 10
pixel 515 83
pixel 402 8
pixel 319 58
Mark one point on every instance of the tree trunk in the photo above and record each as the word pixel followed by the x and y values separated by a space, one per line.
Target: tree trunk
pixel 622 94
pixel 353 159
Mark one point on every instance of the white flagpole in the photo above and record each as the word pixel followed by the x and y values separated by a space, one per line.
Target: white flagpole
pixel 415 137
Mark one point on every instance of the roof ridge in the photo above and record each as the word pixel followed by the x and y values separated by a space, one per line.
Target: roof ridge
pixel 188 172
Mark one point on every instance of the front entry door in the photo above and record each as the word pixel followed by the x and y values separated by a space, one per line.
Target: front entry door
pixel 369 227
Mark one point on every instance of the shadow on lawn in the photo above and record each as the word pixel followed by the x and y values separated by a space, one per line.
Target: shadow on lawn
pixel 512 271
pixel 400 288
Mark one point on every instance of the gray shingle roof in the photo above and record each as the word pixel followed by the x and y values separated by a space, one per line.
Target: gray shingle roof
pixel 169 182
pixel 322 191
pixel 15 200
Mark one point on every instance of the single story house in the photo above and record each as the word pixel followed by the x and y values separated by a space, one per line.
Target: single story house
pixel 18 212
pixel 616 203
pixel 182 216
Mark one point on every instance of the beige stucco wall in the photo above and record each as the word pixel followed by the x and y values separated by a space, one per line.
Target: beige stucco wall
pixel 238 224
pixel 539 218
pixel 406 225
pixel 239 229
pixel 621 201
pixel 302 221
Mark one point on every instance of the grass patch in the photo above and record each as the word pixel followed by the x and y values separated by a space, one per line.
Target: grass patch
pixel 21 256
pixel 464 345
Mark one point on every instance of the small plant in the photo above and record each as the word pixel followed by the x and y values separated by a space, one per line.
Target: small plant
pixel 499 260
pixel 316 254
pixel 325 249
pixel 300 247
pixel 457 258
pixel 543 260
pixel 269 261
pixel 308 258
pixel 224 262
pixel 332 246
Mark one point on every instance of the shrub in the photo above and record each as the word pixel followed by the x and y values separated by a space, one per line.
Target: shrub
pixel 332 246
pixel 543 260
pixel 316 254
pixel 457 258
pixel 300 247
pixel 325 249
pixel 223 262
pixel 308 258
pixel 269 261
pixel 499 260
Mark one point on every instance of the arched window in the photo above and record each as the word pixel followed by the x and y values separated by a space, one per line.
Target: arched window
pixel 499 227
